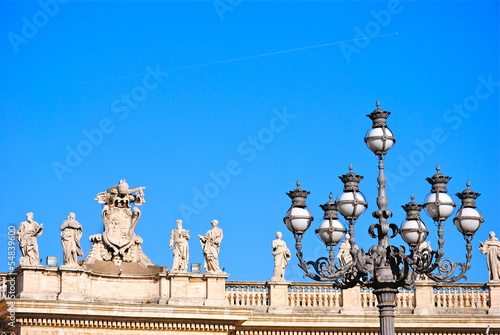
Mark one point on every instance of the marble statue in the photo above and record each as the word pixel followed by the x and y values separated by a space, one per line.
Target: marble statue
pixel 210 244
pixel 345 251
pixel 71 232
pixel 179 242
pixel 282 256
pixel 424 249
pixel 491 248
pixel 119 243
pixel 27 235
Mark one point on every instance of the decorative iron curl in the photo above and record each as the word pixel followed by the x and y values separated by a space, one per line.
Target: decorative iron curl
pixel 426 261
pixel 371 229
pixel 446 268
pixel 395 229
pixel 343 277
pixel 378 226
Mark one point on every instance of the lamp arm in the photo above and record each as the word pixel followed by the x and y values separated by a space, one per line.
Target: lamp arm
pixel 302 264
pixel 345 276
pixel 446 267
pixel 425 261
pixel 422 261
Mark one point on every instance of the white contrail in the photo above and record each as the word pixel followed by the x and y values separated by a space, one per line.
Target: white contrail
pixel 208 64
pixel 279 52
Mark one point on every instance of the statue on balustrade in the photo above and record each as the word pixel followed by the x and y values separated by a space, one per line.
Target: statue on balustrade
pixel 179 242
pixel 71 232
pixel 119 243
pixel 345 251
pixel 425 250
pixel 491 248
pixel 27 235
pixel 210 244
pixel 282 256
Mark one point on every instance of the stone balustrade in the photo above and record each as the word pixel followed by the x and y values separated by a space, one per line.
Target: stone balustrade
pixel 426 295
pixel 247 293
pixel 313 295
pixel 185 288
pixel 462 295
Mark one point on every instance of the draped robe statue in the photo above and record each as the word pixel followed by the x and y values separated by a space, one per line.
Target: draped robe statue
pixel 210 243
pixel 179 243
pixel 491 248
pixel 71 232
pixel 282 256
pixel 27 235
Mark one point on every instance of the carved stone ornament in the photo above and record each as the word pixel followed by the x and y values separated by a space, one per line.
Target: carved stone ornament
pixel 119 243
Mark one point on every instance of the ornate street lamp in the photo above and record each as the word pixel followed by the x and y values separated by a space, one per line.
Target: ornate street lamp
pixel 384 268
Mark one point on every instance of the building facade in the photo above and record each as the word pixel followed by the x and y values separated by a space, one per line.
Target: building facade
pixel 116 290
pixel 50 300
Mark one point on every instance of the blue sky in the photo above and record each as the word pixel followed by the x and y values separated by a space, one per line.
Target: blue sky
pixel 218 107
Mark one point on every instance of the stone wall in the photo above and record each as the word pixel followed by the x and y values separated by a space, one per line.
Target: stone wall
pixel 57 300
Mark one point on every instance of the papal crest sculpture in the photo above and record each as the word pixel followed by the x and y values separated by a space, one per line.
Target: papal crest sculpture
pixel 119 243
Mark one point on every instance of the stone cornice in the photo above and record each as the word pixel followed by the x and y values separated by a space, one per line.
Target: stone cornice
pixel 100 310
pixel 181 325
pixel 223 319
pixel 323 320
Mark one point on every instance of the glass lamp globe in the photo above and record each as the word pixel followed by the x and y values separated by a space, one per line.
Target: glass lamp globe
pixel 413 232
pixel 331 232
pixel 379 140
pixel 439 206
pixel 351 204
pixel 468 220
pixel 298 220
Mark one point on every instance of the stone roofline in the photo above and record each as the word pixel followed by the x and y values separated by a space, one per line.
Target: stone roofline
pixel 64 300
pixel 48 283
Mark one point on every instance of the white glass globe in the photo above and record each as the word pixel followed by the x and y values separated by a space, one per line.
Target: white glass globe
pixel 468 220
pixel 298 219
pixel 379 144
pixel 331 237
pixel 346 206
pixel 413 232
pixel 443 209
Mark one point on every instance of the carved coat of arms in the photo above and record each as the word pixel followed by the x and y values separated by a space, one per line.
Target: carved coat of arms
pixel 118 241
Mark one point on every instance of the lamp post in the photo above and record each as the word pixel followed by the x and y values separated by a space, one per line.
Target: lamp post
pixel 384 268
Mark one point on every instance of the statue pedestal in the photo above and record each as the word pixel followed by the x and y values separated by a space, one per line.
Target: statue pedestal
pixel 494 298
pixel 424 297
pixel 198 289
pixel 278 297
pixel 351 302
pixel 37 282
pixel 216 289
pixel 74 283
pixel 185 289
